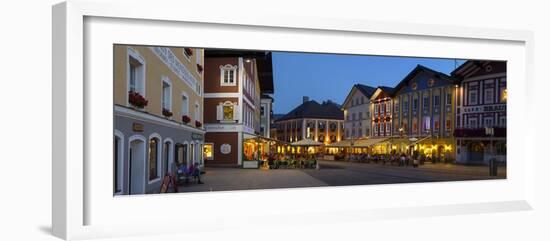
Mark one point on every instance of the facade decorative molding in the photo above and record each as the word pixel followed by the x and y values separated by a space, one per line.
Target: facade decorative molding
pixel 169 58
pixel 131 113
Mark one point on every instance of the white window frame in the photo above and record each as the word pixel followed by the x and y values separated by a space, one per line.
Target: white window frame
pixel 140 87
pixel 228 67
pixel 491 119
pixel 472 120
pixel 490 100
pixel 120 157
pixel 166 80
pixel 185 107
pixel 198 114
pixel 171 150
pixel 470 94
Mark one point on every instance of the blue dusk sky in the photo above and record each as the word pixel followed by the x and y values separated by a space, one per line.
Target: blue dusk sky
pixel 331 76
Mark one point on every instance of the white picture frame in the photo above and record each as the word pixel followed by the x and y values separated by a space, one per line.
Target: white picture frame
pixel 81 209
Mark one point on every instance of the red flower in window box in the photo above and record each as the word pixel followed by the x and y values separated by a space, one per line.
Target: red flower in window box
pixel 199 68
pixel 188 51
pixel 166 112
pixel 137 100
pixel 185 119
pixel 198 124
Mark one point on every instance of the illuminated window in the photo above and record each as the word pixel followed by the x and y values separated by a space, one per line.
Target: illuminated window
pixel 503 95
pixel 208 151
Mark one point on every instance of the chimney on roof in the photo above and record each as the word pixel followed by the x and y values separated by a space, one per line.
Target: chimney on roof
pixel 305 99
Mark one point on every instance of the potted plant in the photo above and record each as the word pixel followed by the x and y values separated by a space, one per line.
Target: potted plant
pixel 137 100
pixel 166 112
pixel 186 119
pixel 199 68
pixel 198 124
pixel 188 51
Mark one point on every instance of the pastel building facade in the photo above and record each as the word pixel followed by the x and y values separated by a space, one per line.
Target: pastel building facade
pixel 423 110
pixel 158 108
pixel 357 112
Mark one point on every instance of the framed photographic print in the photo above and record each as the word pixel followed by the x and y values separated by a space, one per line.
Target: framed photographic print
pixel 273 118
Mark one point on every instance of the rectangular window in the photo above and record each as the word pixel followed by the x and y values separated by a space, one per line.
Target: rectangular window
pixel 376 106
pixel 135 75
pixel 415 105
pixel 166 96
pixel 425 103
pixel 489 95
pixel 405 106
pixel 436 101
pixel 388 128
pixel 262 110
pixel 228 112
pixel 360 115
pixel 353 114
pixel 448 124
pixel 488 122
pixel 472 122
pixel 472 97
pixel 396 107
pixel 133 81
pixel 448 98
pixel 436 125
pixel 208 151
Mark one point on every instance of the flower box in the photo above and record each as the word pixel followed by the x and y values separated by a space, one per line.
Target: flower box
pixel 185 119
pixel 137 100
pixel 166 112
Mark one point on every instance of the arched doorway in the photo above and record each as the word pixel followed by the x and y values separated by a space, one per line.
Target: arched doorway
pixel 136 180
pixel 167 157
pixel 476 151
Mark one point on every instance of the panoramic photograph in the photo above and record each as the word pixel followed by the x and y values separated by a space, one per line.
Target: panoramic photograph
pixel 190 119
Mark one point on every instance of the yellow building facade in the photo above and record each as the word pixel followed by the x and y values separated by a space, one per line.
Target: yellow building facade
pixel 158 114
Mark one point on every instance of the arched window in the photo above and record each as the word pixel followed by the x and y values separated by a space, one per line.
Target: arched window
pixel 154 158
pixel 167 156
pixel 118 162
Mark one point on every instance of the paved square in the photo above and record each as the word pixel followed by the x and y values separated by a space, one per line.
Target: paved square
pixel 335 174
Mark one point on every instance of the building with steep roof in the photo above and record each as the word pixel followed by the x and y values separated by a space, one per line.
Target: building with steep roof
pixel 322 122
pixel 357 112
pixel 423 109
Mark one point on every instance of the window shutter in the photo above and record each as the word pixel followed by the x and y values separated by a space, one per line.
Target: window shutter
pixel 219 112
pixel 236 112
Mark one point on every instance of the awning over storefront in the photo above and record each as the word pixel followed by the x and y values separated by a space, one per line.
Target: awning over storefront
pixel 358 143
pixel 369 142
pixel 306 142
pixel 342 143
pixel 415 141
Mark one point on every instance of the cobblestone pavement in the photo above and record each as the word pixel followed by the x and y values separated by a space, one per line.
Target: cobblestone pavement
pixel 335 174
